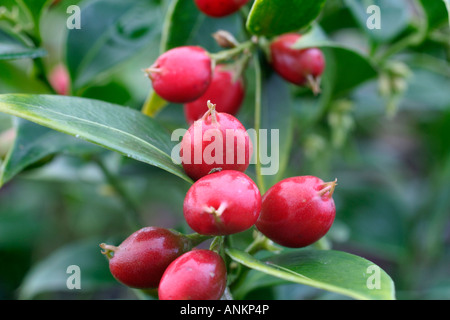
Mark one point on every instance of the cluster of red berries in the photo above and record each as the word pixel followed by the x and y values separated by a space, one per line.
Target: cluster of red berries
pixel 188 74
pixel 295 213
pixel 215 152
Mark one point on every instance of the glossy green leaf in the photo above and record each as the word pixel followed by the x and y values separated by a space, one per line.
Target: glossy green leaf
pixel 111 32
pixel 11 48
pixel 275 17
pixel 330 270
pixel 180 24
pixel 117 128
pixel 34 144
pixel 341 60
pixel 53 274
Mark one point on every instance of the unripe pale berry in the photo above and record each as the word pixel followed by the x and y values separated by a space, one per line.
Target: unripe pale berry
pixel 196 275
pixel 141 259
pixel 222 203
pixel 181 74
pixel 60 80
pixel 226 92
pixel 216 141
pixel 297 211
pixel 302 67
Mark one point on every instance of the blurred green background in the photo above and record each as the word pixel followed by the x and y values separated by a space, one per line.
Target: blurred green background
pixel 386 139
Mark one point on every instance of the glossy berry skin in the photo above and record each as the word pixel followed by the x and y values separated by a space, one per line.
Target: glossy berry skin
pixel 196 275
pixel 181 74
pixel 222 203
pixel 216 141
pixel 296 65
pixel 225 91
pixel 297 211
pixel 141 259
pixel 219 8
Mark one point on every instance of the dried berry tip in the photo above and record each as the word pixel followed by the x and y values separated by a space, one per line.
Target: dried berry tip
pixel 108 250
pixel 328 187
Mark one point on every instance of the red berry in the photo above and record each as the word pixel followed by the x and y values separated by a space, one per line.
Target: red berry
pixel 222 203
pixel 298 66
pixel 181 74
pixel 141 259
pixel 219 8
pixel 226 92
pixel 196 275
pixel 298 211
pixel 216 141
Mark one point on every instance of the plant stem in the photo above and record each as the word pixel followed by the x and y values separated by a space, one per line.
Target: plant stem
pixel 258 106
pixel 196 238
pixel 153 104
pixel 413 40
pixel 228 54
pixel 134 216
pixel 322 244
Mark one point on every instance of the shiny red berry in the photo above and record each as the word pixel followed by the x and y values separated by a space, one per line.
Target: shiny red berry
pixel 222 203
pixel 141 259
pixel 297 211
pixel 227 93
pixel 196 275
pixel 216 141
pixel 219 8
pixel 181 74
pixel 302 67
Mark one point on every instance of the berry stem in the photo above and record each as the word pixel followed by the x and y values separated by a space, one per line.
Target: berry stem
pixel 195 239
pixel 261 242
pixel 228 54
pixel 216 244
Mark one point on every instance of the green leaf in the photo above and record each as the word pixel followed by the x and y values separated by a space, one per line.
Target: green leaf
pixel 111 32
pixel 275 17
pixel 330 270
pixel 14 80
pixel 180 24
pixel 394 17
pixel 35 9
pixel 117 128
pixel 52 273
pixel 340 60
pixel 12 47
pixel 37 144
pixel 437 12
